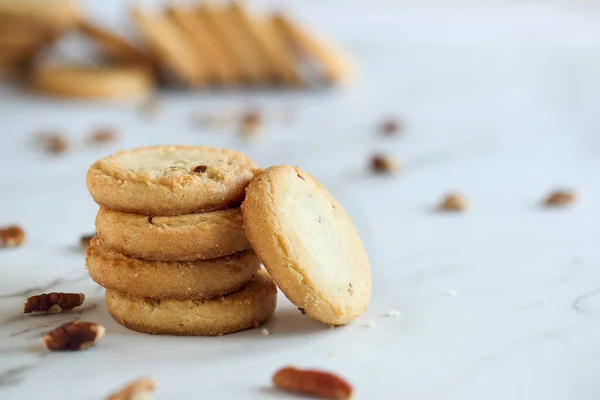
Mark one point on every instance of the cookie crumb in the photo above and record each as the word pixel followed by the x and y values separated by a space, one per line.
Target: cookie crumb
pixel 451 293
pixel 560 198
pixel 200 168
pixel 302 310
pixel 392 313
pixel 103 136
pixel 453 202
pixel 256 324
pixel 390 127
pixel 331 354
pixel 266 332
pixel 370 324
pixel 383 164
pixel 12 236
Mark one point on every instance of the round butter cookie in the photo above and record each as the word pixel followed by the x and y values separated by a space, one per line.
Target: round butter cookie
pixel 252 305
pixel 178 238
pixel 170 180
pixel 169 279
pixel 89 82
pixel 308 244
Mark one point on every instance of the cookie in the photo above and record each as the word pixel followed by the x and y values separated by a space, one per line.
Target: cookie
pixel 178 238
pixel 103 82
pixel 170 180
pixel 172 47
pixel 221 67
pixel 248 308
pixel 169 279
pixel 54 16
pixel 308 244
pixel 117 48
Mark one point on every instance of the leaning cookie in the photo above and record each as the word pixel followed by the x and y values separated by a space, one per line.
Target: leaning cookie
pixel 252 305
pixel 87 82
pixel 170 180
pixel 308 244
pixel 169 280
pixel 178 238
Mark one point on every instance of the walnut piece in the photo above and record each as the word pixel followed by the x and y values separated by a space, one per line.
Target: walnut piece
pixel 251 124
pixel 319 384
pixel 383 164
pixel 73 336
pixel 103 135
pixel 52 303
pixel 11 236
pixel 560 198
pixel 140 389
pixel 56 144
pixel 453 202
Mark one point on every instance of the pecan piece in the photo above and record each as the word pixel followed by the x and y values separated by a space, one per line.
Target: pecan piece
pixel 383 164
pixel 200 169
pixel 251 124
pixel 140 389
pixel 52 303
pixel 390 127
pixel 453 202
pixel 73 336
pixel 319 384
pixel 103 135
pixel 560 198
pixel 56 144
pixel 11 236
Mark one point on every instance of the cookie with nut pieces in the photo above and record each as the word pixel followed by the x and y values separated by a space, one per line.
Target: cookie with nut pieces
pixel 245 309
pixel 176 238
pixel 308 244
pixel 167 180
pixel 180 280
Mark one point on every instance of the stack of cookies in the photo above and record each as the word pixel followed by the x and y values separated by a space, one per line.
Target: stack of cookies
pixel 171 248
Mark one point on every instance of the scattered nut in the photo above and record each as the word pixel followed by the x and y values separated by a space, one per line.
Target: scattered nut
pixel 390 127
pixel 73 336
pixel 322 385
pixel 55 143
pixel 383 164
pixel 140 389
pixel 453 202
pixel 11 236
pixel 200 169
pixel 251 125
pixel 560 198
pixel 85 240
pixel 52 303
pixel 103 136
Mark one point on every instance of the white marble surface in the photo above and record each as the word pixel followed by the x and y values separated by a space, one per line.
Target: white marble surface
pixel 502 102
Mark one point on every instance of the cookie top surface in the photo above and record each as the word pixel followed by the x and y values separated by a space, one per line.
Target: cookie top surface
pixel 170 180
pixel 308 244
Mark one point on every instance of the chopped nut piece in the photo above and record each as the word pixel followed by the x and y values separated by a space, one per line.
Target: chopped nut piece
pixel 453 202
pixel 140 389
pixel 251 125
pixel 103 135
pixel 302 310
pixel 322 385
pixel 84 241
pixel 73 336
pixel 266 332
pixel 52 303
pixel 560 198
pixel 383 164
pixel 11 236
pixel 56 144
pixel 390 127
pixel 200 168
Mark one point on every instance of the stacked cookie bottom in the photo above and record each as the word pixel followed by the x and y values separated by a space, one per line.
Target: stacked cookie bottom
pixel 192 274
